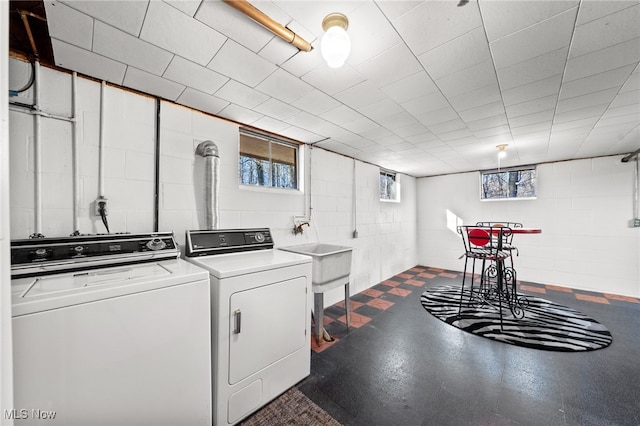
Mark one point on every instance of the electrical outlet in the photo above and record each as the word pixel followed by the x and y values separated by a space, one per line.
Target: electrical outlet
pixel 355 233
pixel 97 206
pixel 636 223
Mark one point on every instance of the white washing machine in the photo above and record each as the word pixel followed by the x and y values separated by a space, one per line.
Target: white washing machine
pixel 261 317
pixel 109 330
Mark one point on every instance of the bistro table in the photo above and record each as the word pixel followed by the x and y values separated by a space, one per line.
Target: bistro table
pixel 506 276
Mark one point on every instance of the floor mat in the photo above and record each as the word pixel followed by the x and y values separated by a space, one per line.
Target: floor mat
pixel 546 325
pixel 291 408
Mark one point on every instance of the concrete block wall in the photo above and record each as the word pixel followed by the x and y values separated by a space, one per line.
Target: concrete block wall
pixel 387 231
pixel 583 207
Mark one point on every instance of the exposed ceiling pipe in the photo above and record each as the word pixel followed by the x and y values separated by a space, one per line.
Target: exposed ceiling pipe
pixel 630 156
pixel 24 14
pixel 278 29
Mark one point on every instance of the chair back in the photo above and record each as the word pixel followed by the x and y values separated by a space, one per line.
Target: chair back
pixel 505 239
pixel 483 241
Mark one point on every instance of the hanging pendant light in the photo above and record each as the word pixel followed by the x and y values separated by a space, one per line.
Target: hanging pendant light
pixel 335 45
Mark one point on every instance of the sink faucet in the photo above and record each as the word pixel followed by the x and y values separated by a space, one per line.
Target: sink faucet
pixel 297 229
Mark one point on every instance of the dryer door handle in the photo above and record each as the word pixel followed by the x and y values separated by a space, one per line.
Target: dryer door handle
pixel 237 316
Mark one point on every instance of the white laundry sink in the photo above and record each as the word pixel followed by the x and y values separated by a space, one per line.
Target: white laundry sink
pixel 331 264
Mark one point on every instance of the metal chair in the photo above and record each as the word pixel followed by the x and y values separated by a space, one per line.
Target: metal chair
pixel 507 241
pixel 497 282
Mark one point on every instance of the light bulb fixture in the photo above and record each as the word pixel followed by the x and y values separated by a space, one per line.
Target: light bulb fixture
pixel 335 45
pixel 501 152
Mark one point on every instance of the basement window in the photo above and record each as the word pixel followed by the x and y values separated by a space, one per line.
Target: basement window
pixel 389 186
pixel 267 161
pixel 514 183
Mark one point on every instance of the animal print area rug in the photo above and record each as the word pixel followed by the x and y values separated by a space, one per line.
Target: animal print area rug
pixel 546 325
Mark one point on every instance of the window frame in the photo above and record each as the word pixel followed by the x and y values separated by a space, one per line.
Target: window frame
pixel 396 183
pixel 270 140
pixel 533 168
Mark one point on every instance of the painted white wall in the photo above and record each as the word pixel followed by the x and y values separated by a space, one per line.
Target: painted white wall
pixel 6 356
pixel 583 207
pixel 387 231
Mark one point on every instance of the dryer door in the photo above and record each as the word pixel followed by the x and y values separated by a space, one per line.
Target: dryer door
pixel 267 324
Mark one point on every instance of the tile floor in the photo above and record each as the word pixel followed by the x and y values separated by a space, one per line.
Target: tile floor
pixel 398 365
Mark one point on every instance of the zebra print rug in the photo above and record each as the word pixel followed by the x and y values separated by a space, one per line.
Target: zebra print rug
pixel 546 325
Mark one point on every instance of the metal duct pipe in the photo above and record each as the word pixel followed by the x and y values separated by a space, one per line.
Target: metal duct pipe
pixel 209 151
pixel 278 29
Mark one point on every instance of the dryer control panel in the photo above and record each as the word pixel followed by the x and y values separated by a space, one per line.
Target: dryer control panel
pixel 219 241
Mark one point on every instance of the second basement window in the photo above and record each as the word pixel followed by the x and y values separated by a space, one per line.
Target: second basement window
pixel 389 186
pixel 508 184
pixel 267 161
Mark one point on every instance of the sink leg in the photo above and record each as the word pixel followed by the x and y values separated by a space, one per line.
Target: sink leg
pixel 347 303
pixel 318 307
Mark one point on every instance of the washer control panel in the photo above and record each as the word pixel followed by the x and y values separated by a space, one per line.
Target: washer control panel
pixel 218 241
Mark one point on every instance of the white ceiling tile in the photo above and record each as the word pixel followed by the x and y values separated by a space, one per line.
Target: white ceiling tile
pixel 341 115
pixel 467 80
pixel 301 135
pixel 410 87
pixel 88 63
pixel 536 69
pixel 532 107
pixel 382 109
pixel 462 136
pixel 632 83
pixel 239 114
pixel 332 81
pixel 360 95
pixel 316 102
pixel 233 24
pixel 152 84
pixel 476 98
pixel 127 16
pixel 270 124
pixel 338 147
pixel 447 126
pixel 591 99
pixel 276 109
pixel 174 31
pixel 613 57
pixel 193 75
pixel 528 119
pixel 606 80
pixel 527 92
pixel 69 25
pixel 284 86
pixel 606 31
pixel 576 124
pixel 484 111
pixel 391 65
pixel 241 64
pixel 426 103
pixel 240 94
pixel 307 121
pixel 434 23
pixel 502 18
pixel 396 121
pixel 304 62
pixel 531 128
pixel 394 9
pixel 534 41
pixel 626 98
pixel 488 123
pixel 590 10
pixel 463 52
pixel 627 122
pixel 437 116
pixel 278 51
pixel 201 101
pixel 412 129
pixel 188 7
pixel 493 132
pixel 122 47
pixel 370 33
pixel 580 114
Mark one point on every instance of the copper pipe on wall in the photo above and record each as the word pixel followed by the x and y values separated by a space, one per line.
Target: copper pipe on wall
pixel 278 29
pixel 24 14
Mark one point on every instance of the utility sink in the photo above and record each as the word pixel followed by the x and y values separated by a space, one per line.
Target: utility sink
pixel 330 268
pixel 331 265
